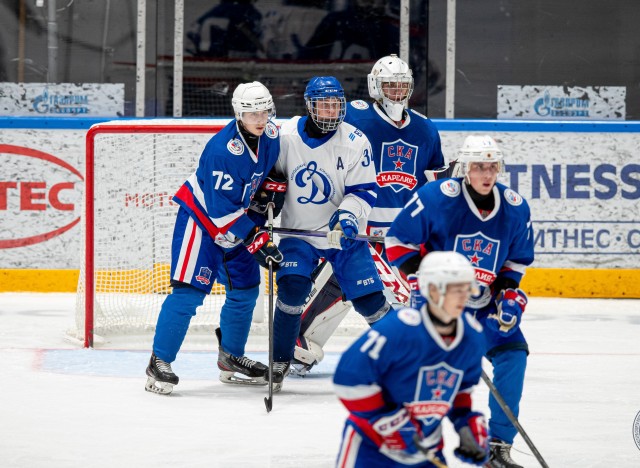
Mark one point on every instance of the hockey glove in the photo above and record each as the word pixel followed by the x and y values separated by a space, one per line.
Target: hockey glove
pixel 273 190
pixel 344 229
pixel 263 249
pixel 474 439
pixel 416 299
pixel 510 305
pixel 399 433
pixel 440 173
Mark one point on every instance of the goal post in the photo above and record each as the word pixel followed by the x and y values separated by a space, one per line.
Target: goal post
pixel 132 170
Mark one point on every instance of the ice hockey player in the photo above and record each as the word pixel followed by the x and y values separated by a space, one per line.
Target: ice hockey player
pixel 406 153
pixel 406 145
pixel 215 239
pixel 331 187
pixel 489 224
pixel 414 367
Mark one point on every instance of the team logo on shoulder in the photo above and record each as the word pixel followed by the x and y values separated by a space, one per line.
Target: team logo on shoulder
pixel 271 131
pixel 236 147
pixel 513 198
pixel 359 104
pixel 409 317
pixel 204 276
pixel 450 187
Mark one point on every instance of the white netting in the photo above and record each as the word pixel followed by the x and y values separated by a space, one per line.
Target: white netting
pixel 135 174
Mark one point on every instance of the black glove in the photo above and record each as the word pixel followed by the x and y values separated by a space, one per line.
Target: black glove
pixel 474 436
pixel 262 248
pixel 273 190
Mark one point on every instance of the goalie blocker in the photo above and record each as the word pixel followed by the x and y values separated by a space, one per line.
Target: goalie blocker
pixel 325 309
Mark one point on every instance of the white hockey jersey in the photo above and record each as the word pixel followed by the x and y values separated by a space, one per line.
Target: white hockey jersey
pixel 324 175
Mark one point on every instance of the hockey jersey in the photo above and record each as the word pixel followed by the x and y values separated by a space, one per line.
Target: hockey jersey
pixel 324 175
pixel 218 193
pixel 442 216
pixel 401 157
pixel 402 361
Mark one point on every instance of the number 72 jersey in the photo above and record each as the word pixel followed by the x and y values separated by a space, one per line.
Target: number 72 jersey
pixel 229 173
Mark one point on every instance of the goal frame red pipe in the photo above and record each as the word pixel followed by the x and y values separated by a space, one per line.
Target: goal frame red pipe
pixel 89 193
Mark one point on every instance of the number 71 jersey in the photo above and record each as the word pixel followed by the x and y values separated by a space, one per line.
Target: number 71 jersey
pixel 404 362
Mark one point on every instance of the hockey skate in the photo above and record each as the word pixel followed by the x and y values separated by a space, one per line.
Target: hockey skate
pixel 500 455
pixel 239 370
pixel 160 377
pixel 279 370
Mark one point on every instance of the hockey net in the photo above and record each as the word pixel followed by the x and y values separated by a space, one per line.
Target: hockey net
pixel 133 168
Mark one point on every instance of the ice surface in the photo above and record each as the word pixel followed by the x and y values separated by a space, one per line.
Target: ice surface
pixel 63 406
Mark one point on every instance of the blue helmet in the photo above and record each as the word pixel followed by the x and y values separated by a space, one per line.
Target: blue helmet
pixel 325 101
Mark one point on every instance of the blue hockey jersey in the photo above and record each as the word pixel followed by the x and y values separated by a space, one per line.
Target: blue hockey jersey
pixel 402 361
pixel 218 194
pixel 442 216
pixel 401 157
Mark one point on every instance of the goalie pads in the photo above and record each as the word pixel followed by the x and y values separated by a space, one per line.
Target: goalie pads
pixel 323 312
pixel 325 308
pixel 394 289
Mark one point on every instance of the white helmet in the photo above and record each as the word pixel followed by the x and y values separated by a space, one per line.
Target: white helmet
pixel 391 69
pixel 442 269
pixel 478 149
pixel 252 97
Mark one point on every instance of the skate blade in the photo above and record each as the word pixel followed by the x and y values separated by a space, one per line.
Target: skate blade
pixel 299 370
pixel 161 388
pixel 228 377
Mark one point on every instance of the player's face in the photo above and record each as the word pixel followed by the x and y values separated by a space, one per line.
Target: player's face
pixel 328 108
pixel 483 176
pixel 395 90
pixel 455 299
pixel 255 122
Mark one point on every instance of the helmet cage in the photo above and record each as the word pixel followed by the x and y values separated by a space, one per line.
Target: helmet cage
pixel 322 91
pixel 396 72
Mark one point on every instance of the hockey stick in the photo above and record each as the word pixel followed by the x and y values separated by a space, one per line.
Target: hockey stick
pixel 503 404
pixel 304 232
pixel 268 401
pixel 435 461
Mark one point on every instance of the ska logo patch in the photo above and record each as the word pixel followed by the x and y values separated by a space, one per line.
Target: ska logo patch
pixel 398 166
pixel 451 188
pixel 436 388
pixel 236 147
pixel 204 276
pixel 512 197
pixel 359 104
pixel 271 130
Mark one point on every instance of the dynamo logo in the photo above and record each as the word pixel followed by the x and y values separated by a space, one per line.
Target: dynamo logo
pixel 317 182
